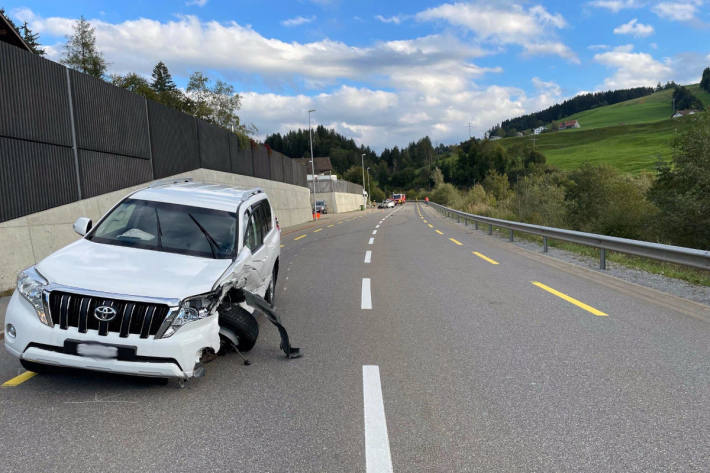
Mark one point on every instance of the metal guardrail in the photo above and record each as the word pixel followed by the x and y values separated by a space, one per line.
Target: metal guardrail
pixel 668 253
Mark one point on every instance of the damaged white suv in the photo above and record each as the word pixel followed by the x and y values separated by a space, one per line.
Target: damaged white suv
pixel 155 287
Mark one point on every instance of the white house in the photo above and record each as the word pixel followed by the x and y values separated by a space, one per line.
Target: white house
pixel 539 130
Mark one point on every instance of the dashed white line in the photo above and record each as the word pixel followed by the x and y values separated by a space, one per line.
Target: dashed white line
pixel 374 232
pixel 366 299
pixel 377 226
pixel 377 444
pixel 371 241
pixel 368 256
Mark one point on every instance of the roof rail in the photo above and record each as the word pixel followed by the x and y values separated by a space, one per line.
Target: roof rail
pixel 250 192
pixel 167 182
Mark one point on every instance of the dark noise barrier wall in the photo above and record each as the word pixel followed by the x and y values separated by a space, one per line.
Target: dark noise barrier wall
pixel 66 136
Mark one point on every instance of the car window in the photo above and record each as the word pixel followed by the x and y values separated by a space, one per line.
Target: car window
pixel 250 240
pixel 171 228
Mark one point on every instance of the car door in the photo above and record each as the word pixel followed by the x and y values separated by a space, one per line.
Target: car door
pixel 253 239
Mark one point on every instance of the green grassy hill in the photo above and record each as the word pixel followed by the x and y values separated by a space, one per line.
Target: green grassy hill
pixel 630 136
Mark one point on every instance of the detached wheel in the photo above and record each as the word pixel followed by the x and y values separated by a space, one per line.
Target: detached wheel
pixel 38 368
pixel 243 324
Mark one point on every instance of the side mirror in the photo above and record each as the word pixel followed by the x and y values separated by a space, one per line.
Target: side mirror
pixel 82 225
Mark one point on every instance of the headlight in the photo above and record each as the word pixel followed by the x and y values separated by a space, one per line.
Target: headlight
pixel 192 309
pixel 31 284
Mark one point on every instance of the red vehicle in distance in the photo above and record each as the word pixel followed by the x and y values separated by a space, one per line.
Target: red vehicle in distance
pixel 399 199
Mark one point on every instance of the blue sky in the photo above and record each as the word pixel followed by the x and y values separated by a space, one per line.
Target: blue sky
pixel 387 73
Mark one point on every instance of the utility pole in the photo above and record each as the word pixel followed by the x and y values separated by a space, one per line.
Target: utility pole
pixel 469 130
pixel 369 196
pixel 362 159
pixel 313 166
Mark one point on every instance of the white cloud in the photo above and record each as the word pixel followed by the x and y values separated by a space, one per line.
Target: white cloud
pixel 634 28
pixel 633 69
pixel 199 3
pixel 532 28
pixel 615 5
pixel 678 11
pixel 551 87
pixel 393 19
pixel 598 47
pixel 299 20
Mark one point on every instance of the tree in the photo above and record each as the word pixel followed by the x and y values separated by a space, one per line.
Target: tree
pixel 705 81
pixel 134 83
pixel 162 80
pixel 217 103
pixel 682 192
pixel 80 50
pixel 31 39
pixel 684 99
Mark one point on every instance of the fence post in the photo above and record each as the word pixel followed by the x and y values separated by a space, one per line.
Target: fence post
pixel 475 224
pixel 74 148
pixel 602 258
pixel 511 236
pixel 150 143
pixel 544 244
pixel 490 229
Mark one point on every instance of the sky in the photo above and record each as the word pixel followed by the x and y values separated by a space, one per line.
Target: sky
pixel 389 73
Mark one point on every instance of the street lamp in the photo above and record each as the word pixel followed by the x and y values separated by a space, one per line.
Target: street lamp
pixel 362 158
pixel 369 196
pixel 313 166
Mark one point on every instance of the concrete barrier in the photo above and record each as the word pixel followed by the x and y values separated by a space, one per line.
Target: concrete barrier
pixel 339 202
pixel 26 240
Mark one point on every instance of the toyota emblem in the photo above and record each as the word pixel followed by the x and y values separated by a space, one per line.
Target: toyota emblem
pixel 104 313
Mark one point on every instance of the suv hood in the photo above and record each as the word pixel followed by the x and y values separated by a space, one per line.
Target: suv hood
pixel 131 271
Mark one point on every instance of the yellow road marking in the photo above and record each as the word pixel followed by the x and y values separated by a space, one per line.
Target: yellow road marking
pixel 316 231
pixel 437 231
pixel 299 237
pixel 340 222
pixel 19 379
pixel 456 241
pixel 331 225
pixel 485 258
pixel 569 299
pixel 282 246
pixel 430 225
pixel 425 221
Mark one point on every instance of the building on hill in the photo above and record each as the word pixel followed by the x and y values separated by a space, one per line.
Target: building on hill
pixel 322 165
pixel 683 113
pixel 538 130
pixel 494 138
pixel 569 124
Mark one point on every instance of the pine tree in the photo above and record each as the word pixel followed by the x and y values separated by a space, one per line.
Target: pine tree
pixel 705 81
pixel 81 52
pixel 162 80
pixel 31 39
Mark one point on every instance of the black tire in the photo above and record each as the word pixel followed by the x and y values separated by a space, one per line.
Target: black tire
pixel 38 367
pixel 243 324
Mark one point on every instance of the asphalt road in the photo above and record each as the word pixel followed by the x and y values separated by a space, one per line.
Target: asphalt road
pixel 459 365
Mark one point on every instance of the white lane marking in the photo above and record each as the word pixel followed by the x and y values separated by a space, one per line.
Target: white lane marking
pixel 374 232
pixel 377 226
pixel 371 241
pixel 368 256
pixel 366 299
pixel 377 443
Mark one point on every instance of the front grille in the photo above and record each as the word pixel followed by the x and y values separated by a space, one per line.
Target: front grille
pixel 77 310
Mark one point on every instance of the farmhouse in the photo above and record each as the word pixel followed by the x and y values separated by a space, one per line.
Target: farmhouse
pixel 683 113
pixel 539 130
pixel 569 124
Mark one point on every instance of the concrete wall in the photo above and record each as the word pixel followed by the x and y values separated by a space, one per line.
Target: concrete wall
pixel 339 202
pixel 26 240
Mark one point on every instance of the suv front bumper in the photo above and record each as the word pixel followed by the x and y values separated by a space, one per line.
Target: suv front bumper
pixel 170 357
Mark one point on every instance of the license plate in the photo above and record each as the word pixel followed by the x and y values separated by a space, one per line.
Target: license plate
pixel 96 351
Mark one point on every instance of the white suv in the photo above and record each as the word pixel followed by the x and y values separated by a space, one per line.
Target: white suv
pixel 151 290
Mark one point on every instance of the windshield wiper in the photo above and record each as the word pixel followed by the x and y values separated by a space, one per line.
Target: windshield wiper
pixel 210 240
pixel 160 230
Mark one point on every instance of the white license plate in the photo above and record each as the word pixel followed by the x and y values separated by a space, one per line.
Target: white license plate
pixel 96 351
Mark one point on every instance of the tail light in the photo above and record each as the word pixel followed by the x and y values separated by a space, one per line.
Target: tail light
pixel 278 227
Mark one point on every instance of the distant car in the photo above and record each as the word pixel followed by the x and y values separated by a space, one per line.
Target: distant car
pixel 321 206
pixel 386 204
